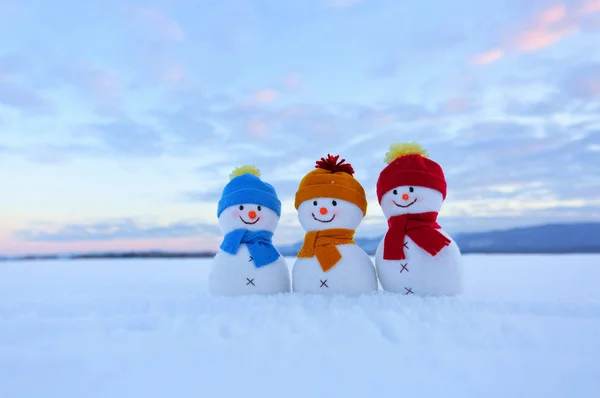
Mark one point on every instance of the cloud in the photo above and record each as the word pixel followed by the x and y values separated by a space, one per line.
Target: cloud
pixel 247 131
pixel 575 91
pixel 590 7
pixel 23 98
pixel 127 137
pixel 527 163
pixel 539 38
pixel 292 82
pixel 409 51
pixel 204 196
pixel 258 128
pixel 173 73
pixel 553 15
pixel 488 57
pixel 154 24
pixel 583 82
pixel 266 95
pixel 117 230
pixel 229 28
pixel 98 84
pixel 544 30
pixel 456 105
pixel 49 154
pixel 186 126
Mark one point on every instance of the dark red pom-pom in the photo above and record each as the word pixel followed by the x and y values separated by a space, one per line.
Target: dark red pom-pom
pixel 332 164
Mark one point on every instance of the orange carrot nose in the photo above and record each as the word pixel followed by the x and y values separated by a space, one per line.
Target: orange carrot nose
pixel 405 196
pixel 323 211
pixel 252 214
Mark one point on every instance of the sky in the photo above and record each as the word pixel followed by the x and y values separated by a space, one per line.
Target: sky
pixel 120 121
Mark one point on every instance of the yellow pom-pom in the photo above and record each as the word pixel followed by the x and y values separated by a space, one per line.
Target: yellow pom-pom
pixel 403 149
pixel 246 169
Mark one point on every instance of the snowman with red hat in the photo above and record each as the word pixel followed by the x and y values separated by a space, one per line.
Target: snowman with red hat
pixel 416 256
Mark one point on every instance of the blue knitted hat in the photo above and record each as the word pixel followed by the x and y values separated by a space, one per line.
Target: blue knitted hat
pixel 247 187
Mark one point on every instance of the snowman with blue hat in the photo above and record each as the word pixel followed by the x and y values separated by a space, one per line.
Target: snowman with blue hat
pixel 247 262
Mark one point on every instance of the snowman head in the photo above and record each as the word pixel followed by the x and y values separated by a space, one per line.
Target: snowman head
pixel 330 197
pixel 328 213
pixel 407 199
pixel 248 216
pixel 411 183
pixel 248 203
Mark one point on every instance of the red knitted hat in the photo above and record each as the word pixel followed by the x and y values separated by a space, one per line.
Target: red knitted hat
pixel 408 165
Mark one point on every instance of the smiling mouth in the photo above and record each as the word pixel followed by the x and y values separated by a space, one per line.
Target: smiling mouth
pixel 249 223
pixel 330 220
pixel 408 205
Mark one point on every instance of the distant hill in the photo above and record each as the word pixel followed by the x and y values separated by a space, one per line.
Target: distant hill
pixel 548 238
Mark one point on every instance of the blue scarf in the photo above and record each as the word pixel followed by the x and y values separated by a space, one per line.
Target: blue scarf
pixel 259 244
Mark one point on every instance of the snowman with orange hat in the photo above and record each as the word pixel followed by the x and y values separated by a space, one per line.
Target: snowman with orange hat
pixel 331 204
pixel 416 256
pixel 247 262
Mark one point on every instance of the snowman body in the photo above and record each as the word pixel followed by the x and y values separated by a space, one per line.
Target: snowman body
pixel 234 274
pixel 237 274
pixel 419 273
pixel 354 273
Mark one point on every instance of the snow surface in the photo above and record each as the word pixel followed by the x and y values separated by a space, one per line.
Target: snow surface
pixel 526 326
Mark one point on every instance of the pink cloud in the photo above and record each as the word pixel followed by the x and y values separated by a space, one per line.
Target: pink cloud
pixel 457 104
pixel 591 7
pixel 488 57
pixel 544 30
pixel 173 73
pixel 156 23
pixel 293 82
pixel 15 247
pixel 538 39
pixel 102 84
pixel 593 88
pixel 258 129
pixel 553 15
pixel 266 95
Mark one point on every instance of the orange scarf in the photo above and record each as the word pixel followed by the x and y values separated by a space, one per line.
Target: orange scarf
pixel 322 244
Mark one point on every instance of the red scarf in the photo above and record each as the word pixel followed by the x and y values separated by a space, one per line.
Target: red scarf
pixel 421 228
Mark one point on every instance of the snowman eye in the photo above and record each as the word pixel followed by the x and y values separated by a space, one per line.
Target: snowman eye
pixel 334 203
pixel 259 208
pixel 411 189
pixel 315 203
pixel 241 207
pixel 395 192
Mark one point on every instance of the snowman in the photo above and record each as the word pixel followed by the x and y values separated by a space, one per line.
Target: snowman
pixel 416 256
pixel 331 204
pixel 247 262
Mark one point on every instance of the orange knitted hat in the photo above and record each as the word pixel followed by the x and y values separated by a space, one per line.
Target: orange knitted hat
pixel 332 179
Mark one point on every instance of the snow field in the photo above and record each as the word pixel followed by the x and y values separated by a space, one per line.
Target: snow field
pixel 526 326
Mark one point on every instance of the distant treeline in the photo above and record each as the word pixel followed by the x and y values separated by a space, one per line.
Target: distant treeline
pixel 92 256
pixel 170 255
pixel 542 239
